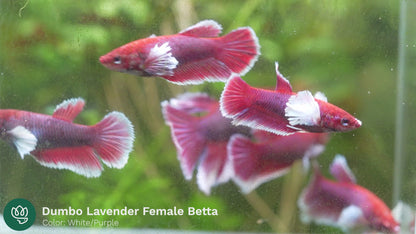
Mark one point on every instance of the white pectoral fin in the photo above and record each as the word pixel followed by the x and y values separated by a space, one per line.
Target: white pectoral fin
pixel 302 109
pixel 23 139
pixel 160 61
pixel 350 217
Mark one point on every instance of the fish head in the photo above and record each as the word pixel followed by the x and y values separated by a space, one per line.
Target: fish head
pixel 336 119
pixel 388 225
pixel 3 120
pixel 122 60
pixel 382 218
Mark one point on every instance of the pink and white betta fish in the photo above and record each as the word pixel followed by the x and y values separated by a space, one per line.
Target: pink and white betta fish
pixel 345 204
pixel 201 134
pixel 192 56
pixel 268 156
pixel 56 142
pixel 281 111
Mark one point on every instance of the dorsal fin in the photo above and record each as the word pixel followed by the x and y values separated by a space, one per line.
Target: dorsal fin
pixel 283 84
pixel 205 28
pixel 69 109
pixel 340 170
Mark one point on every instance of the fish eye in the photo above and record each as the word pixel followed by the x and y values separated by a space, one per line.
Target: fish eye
pixel 345 122
pixel 117 60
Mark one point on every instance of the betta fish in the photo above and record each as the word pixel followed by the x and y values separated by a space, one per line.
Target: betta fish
pixel 201 134
pixel 268 156
pixel 56 142
pixel 343 203
pixel 192 56
pixel 281 111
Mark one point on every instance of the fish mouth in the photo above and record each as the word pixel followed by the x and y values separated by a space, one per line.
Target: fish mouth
pixel 103 60
pixel 358 123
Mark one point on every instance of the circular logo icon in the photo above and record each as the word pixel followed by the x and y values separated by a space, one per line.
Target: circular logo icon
pixel 19 214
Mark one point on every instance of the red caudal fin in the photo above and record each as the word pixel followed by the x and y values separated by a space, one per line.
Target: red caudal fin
pixel 81 160
pixel 252 164
pixel 214 168
pixel 112 144
pixel 241 49
pixel 189 142
pixel 237 53
pixel 235 99
pixel 193 103
pixel 114 139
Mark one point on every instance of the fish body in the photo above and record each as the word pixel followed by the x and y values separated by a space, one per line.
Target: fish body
pixel 266 156
pixel 344 204
pixel 55 141
pixel 201 135
pixel 192 56
pixel 282 111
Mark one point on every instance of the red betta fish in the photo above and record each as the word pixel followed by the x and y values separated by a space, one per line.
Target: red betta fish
pixel 201 134
pixel 344 204
pixel 282 111
pixel 192 56
pixel 56 142
pixel 268 156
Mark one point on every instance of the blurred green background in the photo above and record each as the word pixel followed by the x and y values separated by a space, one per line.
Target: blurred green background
pixel 49 52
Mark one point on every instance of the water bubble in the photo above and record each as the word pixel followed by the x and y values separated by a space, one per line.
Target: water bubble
pixel 369 92
pixel 391 69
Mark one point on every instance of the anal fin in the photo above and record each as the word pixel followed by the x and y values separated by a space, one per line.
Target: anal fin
pixel 81 160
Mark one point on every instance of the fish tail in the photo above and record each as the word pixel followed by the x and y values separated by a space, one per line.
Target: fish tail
pixel 245 157
pixel 114 140
pixel 252 163
pixel 241 50
pixel 235 99
pixel 189 141
pixel 242 153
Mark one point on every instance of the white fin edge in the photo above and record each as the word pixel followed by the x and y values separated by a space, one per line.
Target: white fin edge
pixel 72 101
pixel 24 140
pixel 67 109
pixel 279 75
pixel 321 96
pixel 312 152
pixel 341 171
pixel 216 28
pixel 302 109
pixel 161 62
pixel 78 169
pixel 247 186
pixel 206 179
